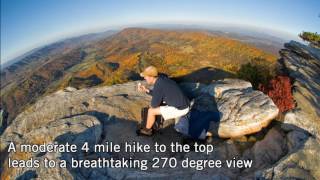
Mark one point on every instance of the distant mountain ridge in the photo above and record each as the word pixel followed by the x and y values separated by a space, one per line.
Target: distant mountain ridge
pixel 106 59
pixel 65 43
pixel 232 31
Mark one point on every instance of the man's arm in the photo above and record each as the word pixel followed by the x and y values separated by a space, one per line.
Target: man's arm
pixel 157 97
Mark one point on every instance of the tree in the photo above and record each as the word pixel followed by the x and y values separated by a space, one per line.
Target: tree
pixel 257 71
pixel 312 38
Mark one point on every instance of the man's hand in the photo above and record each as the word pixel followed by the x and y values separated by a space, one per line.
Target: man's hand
pixel 142 88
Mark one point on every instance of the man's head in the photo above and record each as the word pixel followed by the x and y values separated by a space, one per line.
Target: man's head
pixel 150 74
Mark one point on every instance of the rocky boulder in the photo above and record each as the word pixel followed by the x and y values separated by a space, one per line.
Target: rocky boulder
pixel 302 63
pixel 269 150
pixel 242 110
pixel 302 125
pixel 71 116
pixel 301 162
pixel 73 130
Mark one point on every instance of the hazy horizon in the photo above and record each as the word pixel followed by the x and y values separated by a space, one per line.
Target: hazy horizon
pixel 274 33
pixel 26 25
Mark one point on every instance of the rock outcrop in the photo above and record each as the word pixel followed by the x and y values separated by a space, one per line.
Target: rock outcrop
pixel 72 116
pixel 242 110
pixel 302 161
pixel 302 63
pixel 110 114
pixel 302 124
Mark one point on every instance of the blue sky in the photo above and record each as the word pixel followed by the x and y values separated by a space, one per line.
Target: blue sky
pixel 26 24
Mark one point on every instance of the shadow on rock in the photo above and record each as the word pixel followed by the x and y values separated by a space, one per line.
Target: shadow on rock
pixel 204 75
pixel 269 149
pixel 28 175
pixel 115 131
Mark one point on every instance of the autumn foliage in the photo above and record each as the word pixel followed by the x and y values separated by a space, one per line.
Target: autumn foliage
pixel 262 76
pixel 279 90
pixel 257 71
pixel 121 57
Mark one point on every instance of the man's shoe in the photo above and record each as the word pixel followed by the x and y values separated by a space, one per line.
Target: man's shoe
pixel 145 132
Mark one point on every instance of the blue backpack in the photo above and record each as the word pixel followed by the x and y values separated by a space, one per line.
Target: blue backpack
pixel 196 123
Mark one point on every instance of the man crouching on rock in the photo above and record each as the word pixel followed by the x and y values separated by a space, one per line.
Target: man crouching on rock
pixel 164 90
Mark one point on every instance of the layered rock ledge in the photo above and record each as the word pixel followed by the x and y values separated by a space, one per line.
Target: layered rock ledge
pixel 105 114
